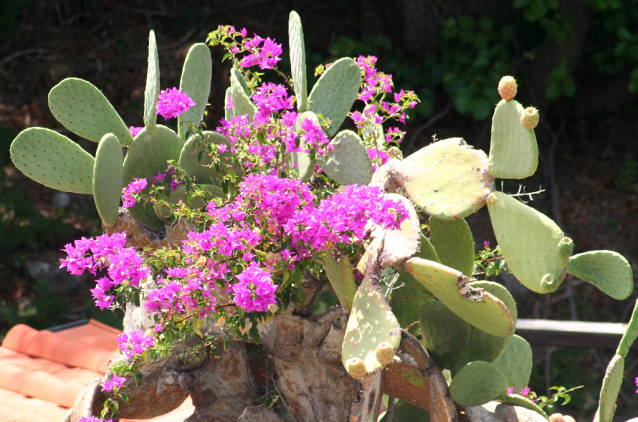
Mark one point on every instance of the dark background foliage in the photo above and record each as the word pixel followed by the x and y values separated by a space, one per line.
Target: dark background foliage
pixel 576 60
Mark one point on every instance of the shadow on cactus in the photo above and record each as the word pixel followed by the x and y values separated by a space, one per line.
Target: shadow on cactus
pixel 225 238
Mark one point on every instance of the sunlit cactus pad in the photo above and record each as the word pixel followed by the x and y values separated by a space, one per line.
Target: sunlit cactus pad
pixel 242 104
pixel 515 363
pixel 53 160
pixel 335 92
pixel 454 244
pixel 447 179
pixel 82 108
pixel 476 306
pixel 298 60
pixel 341 277
pixel 436 322
pixel 610 389
pixel 152 90
pixel 371 322
pixel 607 270
pixel 108 173
pixel 348 163
pixel 477 383
pixel 534 247
pixel 195 202
pixel 513 151
pixel 197 163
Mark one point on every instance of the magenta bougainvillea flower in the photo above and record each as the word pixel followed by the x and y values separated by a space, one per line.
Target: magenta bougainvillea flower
pixel 135 130
pixel 172 102
pixel 114 382
pixel 136 186
pixel 134 342
pixel 255 290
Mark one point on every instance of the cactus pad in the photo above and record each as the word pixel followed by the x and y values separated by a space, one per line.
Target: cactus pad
pixel 242 104
pixel 454 244
pixel 195 81
pixel 53 160
pixel 447 179
pixel 476 306
pixel 407 412
pixel 348 163
pixel 607 270
pixel 190 162
pixel 180 194
pixel 82 108
pixel 152 90
pixel 371 322
pixel 518 400
pixel 300 160
pixel 145 158
pixel 108 173
pixel 437 323
pixel 298 60
pixel 513 151
pixel 341 276
pixel 534 247
pixel 375 132
pixel 515 363
pixel 335 92
pixel 477 383
pixel 610 389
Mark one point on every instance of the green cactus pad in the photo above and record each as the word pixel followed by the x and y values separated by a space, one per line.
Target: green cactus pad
pixel 335 92
pixel 348 163
pixel 341 276
pixel 375 132
pixel 300 161
pixel 228 112
pixel 481 345
pixel 407 300
pixel 518 400
pixel 607 270
pixel 478 307
pixel 180 194
pixel 428 251
pixel 610 389
pixel 82 108
pixel 532 244
pixel 298 60
pixel 53 160
pixel 447 179
pixel 477 383
pixel 631 333
pixel 514 152
pixel 189 157
pixel 145 158
pixel 241 79
pixel 515 363
pixel 152 90
pixel 437 323
pixel 370 323
pixel 108 173
pixel 195 81
pixel 454 244
pixel 407 412
pixel 242 104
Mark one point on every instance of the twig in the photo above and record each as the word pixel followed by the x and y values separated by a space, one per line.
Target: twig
pixel 389 414
pixel 283 400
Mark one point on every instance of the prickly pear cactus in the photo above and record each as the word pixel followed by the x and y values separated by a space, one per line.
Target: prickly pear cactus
pixel 436 323
pixel 298 61
pixel 607 270
pixel 152 89
pixel 341 276
pixel 454 244
pixel 108 174
pixel 195 81
pixel 477 383
pixel 348 163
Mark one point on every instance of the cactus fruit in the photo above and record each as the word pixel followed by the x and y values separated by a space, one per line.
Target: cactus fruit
pixel 384 353
pixel 454 244
pixel 609 271
pixel 530 118
pixel 348 163
pixel 298 61
pixel 108 173
pixel 152 89
pixel 356 368
pixel 195 81
pixel 477 383
pixel 558 417
pixel 507 88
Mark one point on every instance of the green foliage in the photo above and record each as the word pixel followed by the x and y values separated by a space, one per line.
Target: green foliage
pixel 45 310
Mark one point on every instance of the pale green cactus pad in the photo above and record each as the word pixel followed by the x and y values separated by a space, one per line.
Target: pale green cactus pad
pixel 298 60
pixel 513 152
pixel 428 251
pixel 300 161
pixel 478 307
pixel 477 383
pixel 180 194
pixel 242 104
pixel 610 389
pixel 189 158
pixel 631 333
pixel 335 92
pixel 447 179
pixel 607 270
pixel 152 90
pixel 515 363
pixel 454 244
pixel 481 345
pixel 437 323
pixel 518 400
pixel 145 158
pixel 241 79
pixel 341 277
pixel 348 163
pixel 407 300
pixel 374 131
pixel 195 81
pixel 108 173
pixel 53 160
pixel 228 111
pixel 82 108
pixel 534 247
pixel 371 322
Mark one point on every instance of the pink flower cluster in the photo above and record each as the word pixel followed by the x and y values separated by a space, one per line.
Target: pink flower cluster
pixel 172 102
pixel 314 137
pixel 136 186
pixel 262 52
pixel 378 157
pixel 255 290
pixel 375 82
pixel 270 98
pixel 134 343
pixel 114 382
pixel 524 391
pixel 93 419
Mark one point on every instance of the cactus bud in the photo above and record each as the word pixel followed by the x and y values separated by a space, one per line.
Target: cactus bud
pixel 356 368
pixel 384 353
pixel 557 417
pixel 530 118
pixel 507 88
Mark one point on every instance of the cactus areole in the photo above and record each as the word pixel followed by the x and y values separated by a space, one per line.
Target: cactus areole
pixel 225 238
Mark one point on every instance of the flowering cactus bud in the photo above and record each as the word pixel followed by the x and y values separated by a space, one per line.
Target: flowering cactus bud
pixel 507 88
pixel 530 118
pixel 356 368
pixel 384 353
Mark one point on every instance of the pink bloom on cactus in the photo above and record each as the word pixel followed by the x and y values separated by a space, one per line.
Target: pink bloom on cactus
pixel 172 102
pixel 136 186
pixel 135 130
pixel 114 382
pixel 525 391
